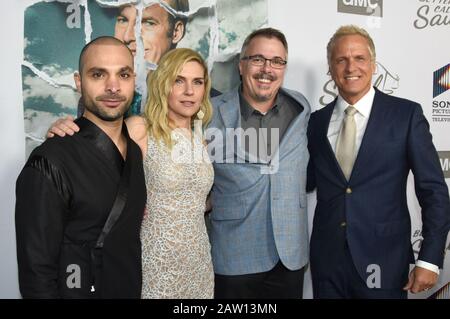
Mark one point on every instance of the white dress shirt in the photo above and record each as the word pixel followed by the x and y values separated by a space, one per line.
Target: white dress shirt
pixel 364 106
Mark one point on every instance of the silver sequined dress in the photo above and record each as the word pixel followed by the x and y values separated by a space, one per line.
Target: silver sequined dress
pixel 176 253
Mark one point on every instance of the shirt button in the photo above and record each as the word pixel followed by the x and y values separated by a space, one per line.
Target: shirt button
pixel 343 224
pixel 348 190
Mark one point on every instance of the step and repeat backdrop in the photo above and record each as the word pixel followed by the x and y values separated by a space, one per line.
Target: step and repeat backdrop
pixel 413 61
pixel 45 38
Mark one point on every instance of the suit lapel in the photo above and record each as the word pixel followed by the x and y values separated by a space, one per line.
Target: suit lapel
pixel 323 141
pixel 378 118
pixel 230 110
pixel 372 136
pixel 292 130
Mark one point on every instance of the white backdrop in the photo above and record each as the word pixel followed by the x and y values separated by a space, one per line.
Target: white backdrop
pixel 12 141
pixel 404 52
pixel 408 56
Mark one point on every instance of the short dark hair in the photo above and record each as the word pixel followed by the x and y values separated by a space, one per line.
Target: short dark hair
pixel 267 33
pixel 99 40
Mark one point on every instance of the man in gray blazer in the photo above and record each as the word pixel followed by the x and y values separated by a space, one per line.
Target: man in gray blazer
pixel 257 142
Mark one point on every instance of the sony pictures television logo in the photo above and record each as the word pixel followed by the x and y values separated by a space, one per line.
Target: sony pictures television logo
pixel 441 80
pixel 441 84
pixel 372 8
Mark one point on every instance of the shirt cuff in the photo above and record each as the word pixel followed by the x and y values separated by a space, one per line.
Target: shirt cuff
pixel 426 265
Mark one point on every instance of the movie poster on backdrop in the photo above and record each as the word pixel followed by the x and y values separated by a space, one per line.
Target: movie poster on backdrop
pixel 56 31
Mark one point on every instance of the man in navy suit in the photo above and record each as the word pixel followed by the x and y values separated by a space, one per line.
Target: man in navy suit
pixel 362 147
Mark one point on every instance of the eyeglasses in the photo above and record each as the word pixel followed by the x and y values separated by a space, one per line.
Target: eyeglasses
pixel 259 60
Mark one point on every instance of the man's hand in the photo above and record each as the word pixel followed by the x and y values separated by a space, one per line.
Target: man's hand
pixel 421 279
pixel 208 205
pixel 62 127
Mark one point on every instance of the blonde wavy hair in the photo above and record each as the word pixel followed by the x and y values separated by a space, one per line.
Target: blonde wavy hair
pixel 160 83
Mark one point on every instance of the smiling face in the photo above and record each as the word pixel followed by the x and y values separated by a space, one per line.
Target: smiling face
pixel 158 35
pixel 352 67
pixel 261 83
pixel 187 93
pixel 106 82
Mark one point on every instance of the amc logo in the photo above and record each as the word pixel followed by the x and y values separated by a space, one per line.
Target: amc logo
pixel 363 7
pixel 444 157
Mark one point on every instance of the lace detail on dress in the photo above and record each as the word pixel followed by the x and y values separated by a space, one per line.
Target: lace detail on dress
pixel 176 253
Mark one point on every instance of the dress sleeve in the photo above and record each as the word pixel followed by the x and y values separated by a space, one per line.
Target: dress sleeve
pixel 40 217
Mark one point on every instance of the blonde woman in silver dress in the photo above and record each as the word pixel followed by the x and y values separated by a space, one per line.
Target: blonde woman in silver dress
pixel 176 258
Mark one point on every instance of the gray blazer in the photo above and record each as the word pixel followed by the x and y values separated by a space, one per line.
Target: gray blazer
pixel 259 209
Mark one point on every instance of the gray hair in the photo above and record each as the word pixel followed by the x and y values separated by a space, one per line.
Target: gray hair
pixel 267 33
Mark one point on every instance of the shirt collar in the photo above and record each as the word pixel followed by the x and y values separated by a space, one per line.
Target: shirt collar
pixel 247 109
pixel 364 105
pixel 102 142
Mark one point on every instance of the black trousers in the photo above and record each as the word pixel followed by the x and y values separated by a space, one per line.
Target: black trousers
pixel 277 283
pixel 344 282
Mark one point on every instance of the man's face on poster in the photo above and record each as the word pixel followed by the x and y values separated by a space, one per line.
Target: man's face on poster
pixel 158 34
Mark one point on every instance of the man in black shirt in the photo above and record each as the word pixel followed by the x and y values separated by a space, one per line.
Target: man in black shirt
pixel 80 199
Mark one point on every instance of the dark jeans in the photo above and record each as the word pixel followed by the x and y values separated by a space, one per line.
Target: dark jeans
pixel 277 283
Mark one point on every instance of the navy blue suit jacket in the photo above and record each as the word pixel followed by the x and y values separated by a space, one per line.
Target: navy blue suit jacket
pixel 370 210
